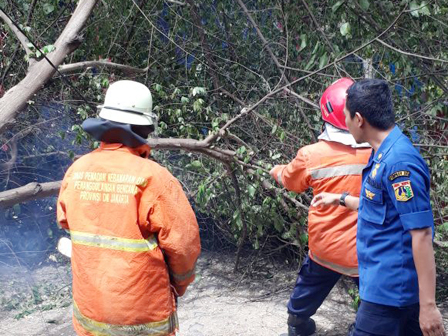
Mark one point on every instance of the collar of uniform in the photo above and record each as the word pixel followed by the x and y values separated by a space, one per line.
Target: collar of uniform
pixel 387 143
pixel 142 151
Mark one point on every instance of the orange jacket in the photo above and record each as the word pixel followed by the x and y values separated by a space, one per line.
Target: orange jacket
pixel 135 242
pixel 331 167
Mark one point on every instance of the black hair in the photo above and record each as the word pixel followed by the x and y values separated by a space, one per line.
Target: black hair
pixel 372 99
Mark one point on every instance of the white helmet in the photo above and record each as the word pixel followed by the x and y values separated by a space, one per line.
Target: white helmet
pixel 128 102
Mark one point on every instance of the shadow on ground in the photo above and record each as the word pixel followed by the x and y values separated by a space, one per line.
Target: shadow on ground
pixel 219 303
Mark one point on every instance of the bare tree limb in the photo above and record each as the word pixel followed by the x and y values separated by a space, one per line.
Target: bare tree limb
pixel 441 244
pixel 16 98
pixel 28 192
pixel 410 54
pixel 22 38
pixel 176 2
pixel 243 237
pixel 30 12
pixel 73 67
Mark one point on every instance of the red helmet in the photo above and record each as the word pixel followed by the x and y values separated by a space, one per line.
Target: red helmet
pixel 333 101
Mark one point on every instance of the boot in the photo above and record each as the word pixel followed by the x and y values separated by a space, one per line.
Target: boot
pixel 351 330
pixel 300 327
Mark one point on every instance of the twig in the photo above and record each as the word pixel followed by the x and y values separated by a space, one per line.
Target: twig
pixel 176 2
pixel 21 37
pixel 242 217
pixel 411 54
pixel 30 12
pixel 430 145
pixel 68 68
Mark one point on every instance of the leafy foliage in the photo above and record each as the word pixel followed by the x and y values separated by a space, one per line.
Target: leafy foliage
pixel 206 61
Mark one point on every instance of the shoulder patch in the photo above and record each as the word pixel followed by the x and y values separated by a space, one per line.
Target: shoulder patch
pixel 398 174
pixel 403 191
pixel 374 171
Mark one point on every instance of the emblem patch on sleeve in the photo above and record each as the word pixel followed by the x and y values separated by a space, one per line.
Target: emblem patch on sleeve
pixel 403 191
pixel 399 173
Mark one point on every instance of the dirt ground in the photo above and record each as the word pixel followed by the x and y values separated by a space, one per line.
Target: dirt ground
pixel 219 303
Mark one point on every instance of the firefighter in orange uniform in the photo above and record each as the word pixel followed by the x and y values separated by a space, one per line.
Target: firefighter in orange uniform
pixel 135 236
pixel 335 162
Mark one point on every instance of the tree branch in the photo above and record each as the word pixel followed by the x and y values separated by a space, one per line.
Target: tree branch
pixel 28 192
pixel 410 54
pixel 176 2
pixel 21 37
pixel 73 67
pixel 15 99
pixel 30 12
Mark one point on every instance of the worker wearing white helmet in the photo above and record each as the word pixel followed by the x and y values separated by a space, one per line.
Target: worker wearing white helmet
pixel 135 236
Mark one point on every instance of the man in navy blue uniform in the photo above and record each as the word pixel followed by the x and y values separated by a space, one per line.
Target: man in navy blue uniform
pixel 395 222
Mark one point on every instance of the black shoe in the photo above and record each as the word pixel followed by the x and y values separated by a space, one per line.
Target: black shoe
pixel 305 328
pixel 351 330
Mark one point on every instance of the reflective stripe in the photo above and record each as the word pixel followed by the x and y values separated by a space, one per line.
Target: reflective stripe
pixel 160 328
pixel 350 271
pixel 114 243
pixel 279 177
pixel 183 276
pixel 354 169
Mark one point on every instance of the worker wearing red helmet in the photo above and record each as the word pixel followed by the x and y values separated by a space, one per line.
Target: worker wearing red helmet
pixel 333 164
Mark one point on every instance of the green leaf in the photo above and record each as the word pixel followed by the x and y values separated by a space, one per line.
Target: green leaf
pixel 197 105
pixel 278 224
pixel 414 8
pixel 251 189
pixel 48 49
pixel 336 6
pixel 198 90
pixel 345 29
pixel 364 4
pixel 184 100
pixel 443 227
pixel 17 209
pixel 196 164
pixel 241 150
pixel 316 47
pixel 282 136
pixel 303 44
pixel 310 63
pixel 105 83
pixel 48 8
pixel 323 60
pixel 424 10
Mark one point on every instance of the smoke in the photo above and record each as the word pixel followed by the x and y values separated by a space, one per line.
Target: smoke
pixel 39 149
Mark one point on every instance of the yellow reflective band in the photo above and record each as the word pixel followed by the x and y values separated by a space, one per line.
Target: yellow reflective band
pixel 114 243
pixel 350 271
pixel 159 328
pixel 183 276
pixel 352 169
pixel 279 177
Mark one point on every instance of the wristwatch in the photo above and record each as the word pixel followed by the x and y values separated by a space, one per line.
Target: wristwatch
pixel 342 199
